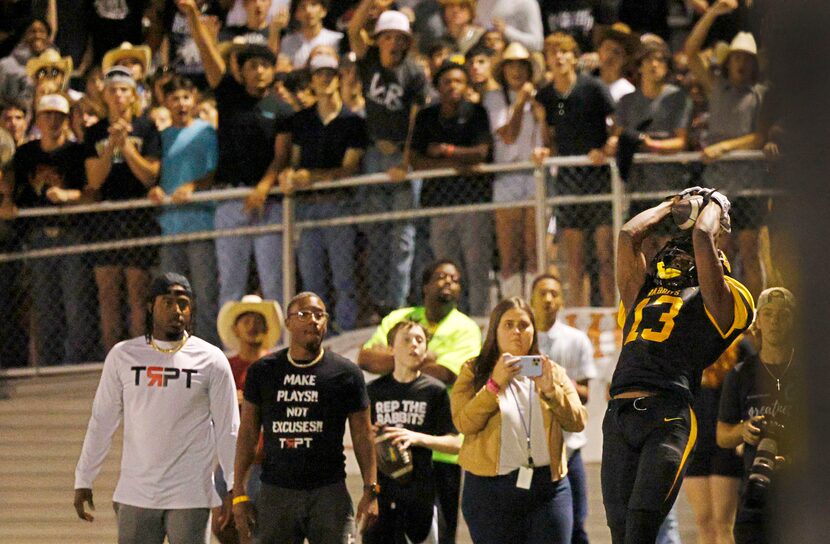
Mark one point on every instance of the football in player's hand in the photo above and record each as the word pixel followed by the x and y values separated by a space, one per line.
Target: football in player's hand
pixel 685 211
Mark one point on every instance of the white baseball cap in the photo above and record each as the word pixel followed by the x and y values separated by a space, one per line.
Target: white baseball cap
pixel 322 61
pixel 53 102
pixel 744 41
pixel 393 20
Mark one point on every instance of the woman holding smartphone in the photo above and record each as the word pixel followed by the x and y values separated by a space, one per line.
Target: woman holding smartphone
pixel 513 453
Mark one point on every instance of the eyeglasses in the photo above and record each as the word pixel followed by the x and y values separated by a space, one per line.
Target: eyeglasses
pixel 446 276
pixel 48 72
pixel 307 315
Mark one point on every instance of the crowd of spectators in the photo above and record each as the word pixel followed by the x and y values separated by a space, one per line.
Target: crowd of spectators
pixel 122 99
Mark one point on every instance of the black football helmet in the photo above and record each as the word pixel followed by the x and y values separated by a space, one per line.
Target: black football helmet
pixel 674 266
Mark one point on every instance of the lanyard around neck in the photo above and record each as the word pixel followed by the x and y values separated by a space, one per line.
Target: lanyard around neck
pixel 529 426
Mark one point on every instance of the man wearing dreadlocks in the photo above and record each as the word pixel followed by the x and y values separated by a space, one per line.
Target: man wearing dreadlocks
pixel 176 395
pixel 678 314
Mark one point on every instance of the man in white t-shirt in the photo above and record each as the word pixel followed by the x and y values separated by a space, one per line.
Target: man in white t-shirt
pixel 176 396
pixel 572 349
pixel 298 45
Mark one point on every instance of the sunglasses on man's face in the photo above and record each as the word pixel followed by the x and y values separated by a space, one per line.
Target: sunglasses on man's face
pixel 51 73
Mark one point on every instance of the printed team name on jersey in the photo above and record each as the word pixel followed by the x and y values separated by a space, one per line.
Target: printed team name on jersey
pixel 297 417
pixel 662 291
pixel 160 376
pixel 403 412
pixel 389 96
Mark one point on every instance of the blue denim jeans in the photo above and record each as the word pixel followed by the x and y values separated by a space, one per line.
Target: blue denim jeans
pixel 62 288
pixel 233 253
pixel 669 532
pixel 579 492
pixel 332 246
pixel 197 261
pixel 391 246
pixel 498 512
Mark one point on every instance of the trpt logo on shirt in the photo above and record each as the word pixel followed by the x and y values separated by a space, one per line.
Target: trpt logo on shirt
pixel 160 376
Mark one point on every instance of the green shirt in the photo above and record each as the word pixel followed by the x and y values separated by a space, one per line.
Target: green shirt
pixel 454 340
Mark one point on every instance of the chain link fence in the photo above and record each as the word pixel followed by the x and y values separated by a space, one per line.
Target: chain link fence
pixel 74 280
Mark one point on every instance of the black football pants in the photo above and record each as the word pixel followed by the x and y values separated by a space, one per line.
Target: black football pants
pixel 647 443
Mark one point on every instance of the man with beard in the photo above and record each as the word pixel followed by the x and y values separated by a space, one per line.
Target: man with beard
pixel 454 339
pixel 300 397
pixel 176 397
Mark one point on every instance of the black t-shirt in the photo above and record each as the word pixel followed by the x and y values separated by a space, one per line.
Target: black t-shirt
pixel 390 93
pixel 65 164
pixel 115 22
pixel 669 338
pixel 578 119
pixel 121 183
pixel 573 17
pixel 470 127
pixel 324 146
pixel 304 412
pixel 421 405
pixel 250 35
pixel 750 390
pixel 248 127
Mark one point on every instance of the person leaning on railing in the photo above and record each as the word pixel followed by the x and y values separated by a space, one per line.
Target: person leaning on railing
pixel 122 163
pixel 513 453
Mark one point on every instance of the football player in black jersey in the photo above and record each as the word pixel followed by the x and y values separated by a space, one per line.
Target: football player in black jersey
pixel 678 314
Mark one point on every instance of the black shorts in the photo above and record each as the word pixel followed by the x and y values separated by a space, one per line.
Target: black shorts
pixel 708 459
pixel 583 180
pixel 123 225
pixel 749 212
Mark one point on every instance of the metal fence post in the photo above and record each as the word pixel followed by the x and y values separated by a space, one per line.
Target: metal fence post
pixel 288 269
pixel 617 211
pixel 540 217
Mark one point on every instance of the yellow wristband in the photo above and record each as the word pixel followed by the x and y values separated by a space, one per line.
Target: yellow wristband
pixel 240 499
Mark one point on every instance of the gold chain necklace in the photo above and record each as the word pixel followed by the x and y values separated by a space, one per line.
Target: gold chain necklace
pixel 305 365
pixel 174 349
pixel 778 378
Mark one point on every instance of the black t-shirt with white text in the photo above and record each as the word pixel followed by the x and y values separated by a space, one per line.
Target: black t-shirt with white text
pixel 303 412
pixel 390 93
pixel 248 126
pixel 121 183
pixel 750 390
pixel 421 405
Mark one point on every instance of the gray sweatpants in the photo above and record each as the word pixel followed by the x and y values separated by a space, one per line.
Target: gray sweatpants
pixel 150 526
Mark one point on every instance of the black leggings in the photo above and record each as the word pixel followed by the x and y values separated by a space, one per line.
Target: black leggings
pixel 647 443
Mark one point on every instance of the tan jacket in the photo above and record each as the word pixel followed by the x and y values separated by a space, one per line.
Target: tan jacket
pixel 476 414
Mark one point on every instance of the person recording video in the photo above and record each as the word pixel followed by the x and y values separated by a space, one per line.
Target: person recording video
pixel 513 410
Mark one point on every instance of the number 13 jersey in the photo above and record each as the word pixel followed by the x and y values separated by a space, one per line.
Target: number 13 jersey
pixel 669 337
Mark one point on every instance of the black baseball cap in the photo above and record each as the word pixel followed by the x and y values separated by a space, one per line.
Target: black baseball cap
pixel 444 68
pixel 164 283
pixel 255 51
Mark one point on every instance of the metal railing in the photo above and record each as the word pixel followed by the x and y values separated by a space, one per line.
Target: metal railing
pixel 543 204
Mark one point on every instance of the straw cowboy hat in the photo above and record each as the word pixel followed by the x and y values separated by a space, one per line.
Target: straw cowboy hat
pixel 231 311
pixel 517 51
pixel 47 59
pixel 126 50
